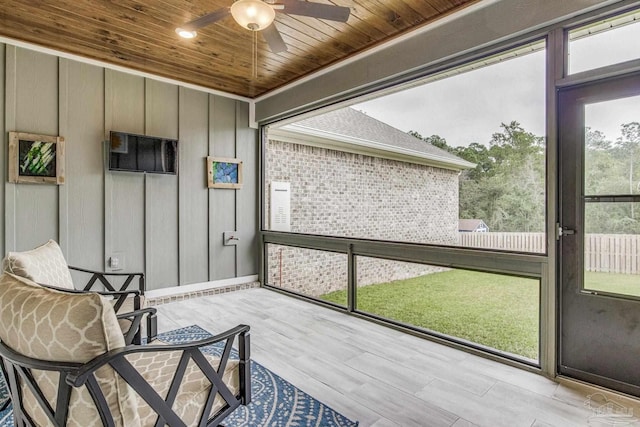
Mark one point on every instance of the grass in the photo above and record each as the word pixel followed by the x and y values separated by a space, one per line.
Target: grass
pixel 489 309
pixel 493 310
pixel 626 284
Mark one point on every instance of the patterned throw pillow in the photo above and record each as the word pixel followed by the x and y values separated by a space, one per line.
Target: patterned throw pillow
pixel 158 368
pixel 44 264
pixel 55 325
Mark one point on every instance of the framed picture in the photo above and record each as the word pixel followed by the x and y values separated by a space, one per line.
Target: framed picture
pixel 224 173
pixel 36 159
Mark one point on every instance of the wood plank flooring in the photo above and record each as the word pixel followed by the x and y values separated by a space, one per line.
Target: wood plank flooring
pixel 382 377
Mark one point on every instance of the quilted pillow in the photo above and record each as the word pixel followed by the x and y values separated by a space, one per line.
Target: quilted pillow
pixel 44 264
pixel 56 325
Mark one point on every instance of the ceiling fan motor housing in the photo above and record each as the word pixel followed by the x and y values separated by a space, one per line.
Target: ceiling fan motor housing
pixel 258 15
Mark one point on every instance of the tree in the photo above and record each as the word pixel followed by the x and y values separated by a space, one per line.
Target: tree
pixel 612 168
pixel 435 140
pixel 599 165
pixel 506 188
pixel 480 155
pixel 628 143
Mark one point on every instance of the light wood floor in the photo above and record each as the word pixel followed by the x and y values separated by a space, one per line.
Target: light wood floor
pixel 382 377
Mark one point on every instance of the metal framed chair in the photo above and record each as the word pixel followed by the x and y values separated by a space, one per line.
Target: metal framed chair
pixel 72 367
pixel 46 265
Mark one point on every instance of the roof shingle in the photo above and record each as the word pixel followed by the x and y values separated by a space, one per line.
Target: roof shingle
pixel 356 124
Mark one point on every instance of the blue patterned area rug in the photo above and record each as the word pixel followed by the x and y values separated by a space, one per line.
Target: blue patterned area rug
pixel 274 403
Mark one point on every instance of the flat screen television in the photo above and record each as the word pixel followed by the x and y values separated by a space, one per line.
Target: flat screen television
pixel 141 153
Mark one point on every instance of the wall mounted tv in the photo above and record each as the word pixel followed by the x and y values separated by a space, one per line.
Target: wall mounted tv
pixel 141 153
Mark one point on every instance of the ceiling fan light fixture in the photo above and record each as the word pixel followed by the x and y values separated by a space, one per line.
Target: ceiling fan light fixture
pixel 186 34
pixel 254 15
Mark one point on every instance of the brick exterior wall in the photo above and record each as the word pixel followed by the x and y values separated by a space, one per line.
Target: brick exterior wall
pixel 343 194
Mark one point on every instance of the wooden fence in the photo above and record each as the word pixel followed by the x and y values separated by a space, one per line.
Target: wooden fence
pixel 521 242
pixel 611 253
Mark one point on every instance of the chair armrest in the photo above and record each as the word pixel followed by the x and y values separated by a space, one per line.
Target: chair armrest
pixel 133 335
pixel 79 372
pixel 79 377
pixel 102 277
pixel 104 273
pixel 133 292
pixel 83 374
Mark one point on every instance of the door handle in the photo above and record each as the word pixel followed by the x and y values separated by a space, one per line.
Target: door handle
pixel 562 231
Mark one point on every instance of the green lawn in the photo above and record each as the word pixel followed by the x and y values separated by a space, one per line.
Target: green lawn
pixel 626 284
pixel 493 310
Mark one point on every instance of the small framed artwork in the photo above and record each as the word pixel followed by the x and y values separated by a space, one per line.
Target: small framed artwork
pixel 36 159
pixel 224 173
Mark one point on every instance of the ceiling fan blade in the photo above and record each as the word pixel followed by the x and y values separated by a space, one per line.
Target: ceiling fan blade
pixel 274 39
pixel 207 19
pixel 316 10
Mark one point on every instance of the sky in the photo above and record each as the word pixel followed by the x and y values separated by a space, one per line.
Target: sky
pixel 608 116
pixel 471 106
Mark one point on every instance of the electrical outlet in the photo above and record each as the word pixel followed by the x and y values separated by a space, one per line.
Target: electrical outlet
pixel 116 261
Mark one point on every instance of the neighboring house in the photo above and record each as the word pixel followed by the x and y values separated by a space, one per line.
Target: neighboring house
pixel 472 226
pixel 345 173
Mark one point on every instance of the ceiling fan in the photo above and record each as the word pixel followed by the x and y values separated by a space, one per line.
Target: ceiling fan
pixel 258 15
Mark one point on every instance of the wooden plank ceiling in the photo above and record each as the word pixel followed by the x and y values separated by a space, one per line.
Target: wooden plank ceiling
pixel 140 34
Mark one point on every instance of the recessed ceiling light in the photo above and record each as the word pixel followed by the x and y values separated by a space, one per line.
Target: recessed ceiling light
pixel 186 34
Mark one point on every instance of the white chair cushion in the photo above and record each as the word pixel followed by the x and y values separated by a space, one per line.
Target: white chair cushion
pixel 44 264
